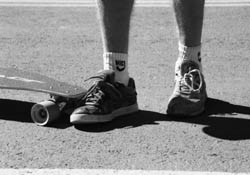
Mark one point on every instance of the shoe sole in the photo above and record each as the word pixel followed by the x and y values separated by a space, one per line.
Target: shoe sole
pixel 93 118
pixel 193 114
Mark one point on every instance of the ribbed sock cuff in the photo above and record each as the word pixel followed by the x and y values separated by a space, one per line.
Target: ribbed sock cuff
pixel 191 53
pixel 119 63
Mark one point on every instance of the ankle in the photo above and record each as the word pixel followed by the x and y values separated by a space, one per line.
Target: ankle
pixel 119 63
pixel 190 53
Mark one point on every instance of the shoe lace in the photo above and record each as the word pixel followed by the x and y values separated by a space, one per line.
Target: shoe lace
pixel 193 80
pixel 99 90
pixel 94 96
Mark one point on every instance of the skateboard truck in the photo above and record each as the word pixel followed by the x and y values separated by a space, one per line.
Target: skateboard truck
pixel 47 111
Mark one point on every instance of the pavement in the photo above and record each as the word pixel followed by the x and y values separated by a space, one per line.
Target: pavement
pixel 92 3
pixel 64 43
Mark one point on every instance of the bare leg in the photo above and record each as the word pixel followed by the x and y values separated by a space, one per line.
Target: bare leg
pixel 115 21
pixel 189 17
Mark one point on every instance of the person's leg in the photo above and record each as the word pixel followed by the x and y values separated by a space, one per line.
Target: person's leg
pixel 189 95
pixel 115 22
pixel 113 93
pixel 189 17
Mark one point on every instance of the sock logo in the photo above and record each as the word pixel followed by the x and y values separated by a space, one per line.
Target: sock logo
pixel 120 65
pixel 199 56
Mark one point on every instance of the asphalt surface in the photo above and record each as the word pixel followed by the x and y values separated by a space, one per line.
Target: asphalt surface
pixel 64 43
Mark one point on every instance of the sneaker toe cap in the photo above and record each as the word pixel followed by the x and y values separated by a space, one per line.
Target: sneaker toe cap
pixel 79 114
pixel 183 107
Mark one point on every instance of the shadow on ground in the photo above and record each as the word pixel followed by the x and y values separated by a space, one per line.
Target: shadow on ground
pixel 219 121
pixel 14 110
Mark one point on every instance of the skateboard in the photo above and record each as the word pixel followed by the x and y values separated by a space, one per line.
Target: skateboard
pixel 63 96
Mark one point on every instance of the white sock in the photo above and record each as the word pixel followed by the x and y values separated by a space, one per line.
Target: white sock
pixel 119 63
pixel 190 53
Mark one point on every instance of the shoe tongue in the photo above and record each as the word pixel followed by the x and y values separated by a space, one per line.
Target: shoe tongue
pixel 187 66
pixel 107 76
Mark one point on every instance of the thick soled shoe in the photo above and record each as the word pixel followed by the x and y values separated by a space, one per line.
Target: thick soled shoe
pixel 106 100
pixel 189 96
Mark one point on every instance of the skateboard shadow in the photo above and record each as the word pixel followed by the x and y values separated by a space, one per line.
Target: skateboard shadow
pixel 14 110
pixel 219 120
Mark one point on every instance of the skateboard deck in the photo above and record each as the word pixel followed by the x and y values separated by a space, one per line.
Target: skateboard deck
pixel 11 78
pixel 63 95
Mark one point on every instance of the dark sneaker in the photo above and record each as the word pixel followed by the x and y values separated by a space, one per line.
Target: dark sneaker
pixel 189 96
pixel 106 100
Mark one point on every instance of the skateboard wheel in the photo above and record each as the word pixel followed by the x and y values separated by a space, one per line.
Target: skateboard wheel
pixel 45 112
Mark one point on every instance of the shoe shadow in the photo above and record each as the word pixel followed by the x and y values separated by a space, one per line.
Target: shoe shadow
pixel 219 120
pixel 14 110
